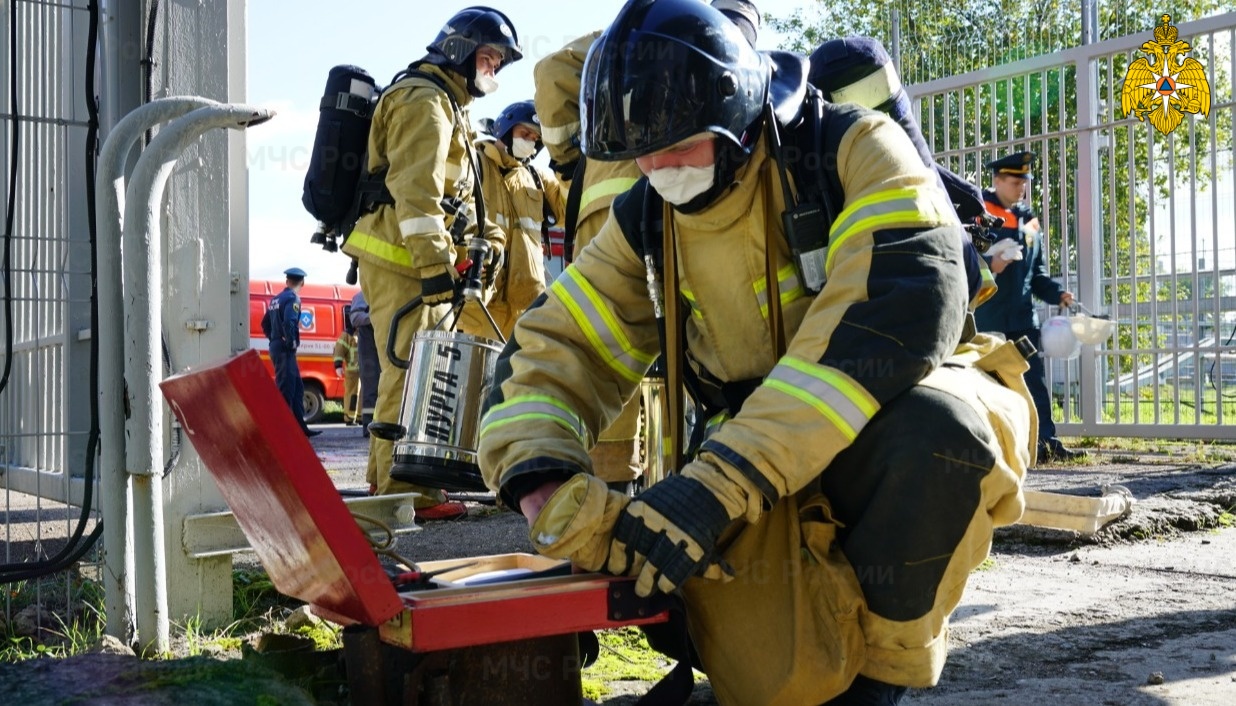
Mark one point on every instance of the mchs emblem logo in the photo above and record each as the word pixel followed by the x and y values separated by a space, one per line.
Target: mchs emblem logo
pixel 1165 84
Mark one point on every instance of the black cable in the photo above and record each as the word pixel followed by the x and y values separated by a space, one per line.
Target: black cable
pixel 12 201
pixel 75 549
pixel 39 571
pixel 148 61
pixel 176 437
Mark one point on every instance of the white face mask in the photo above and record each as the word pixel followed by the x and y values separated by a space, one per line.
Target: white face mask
pixel 522 149
pixel 485 84
pixel 678 185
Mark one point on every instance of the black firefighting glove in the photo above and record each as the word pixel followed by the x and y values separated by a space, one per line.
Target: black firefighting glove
pixel 493 263
pixel 669 533
pixel 438 284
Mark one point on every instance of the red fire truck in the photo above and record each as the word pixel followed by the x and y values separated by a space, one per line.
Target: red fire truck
pixel 321 322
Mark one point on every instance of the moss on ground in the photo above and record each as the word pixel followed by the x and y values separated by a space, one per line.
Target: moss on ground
pixel 625 656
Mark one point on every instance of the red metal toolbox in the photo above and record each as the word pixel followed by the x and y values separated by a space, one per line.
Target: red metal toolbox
pixel 313 549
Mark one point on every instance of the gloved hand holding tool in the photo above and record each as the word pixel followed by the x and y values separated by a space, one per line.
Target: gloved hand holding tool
pixel 438 284
pixel 664 536
pixel 493 262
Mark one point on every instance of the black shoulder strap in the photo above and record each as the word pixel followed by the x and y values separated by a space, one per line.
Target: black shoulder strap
pixel 816 140
pixel 547 213
pixel 574 195
pixel 640 222
pixel 461 123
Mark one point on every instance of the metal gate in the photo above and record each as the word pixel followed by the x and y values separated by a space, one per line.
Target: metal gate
pixel 1139 224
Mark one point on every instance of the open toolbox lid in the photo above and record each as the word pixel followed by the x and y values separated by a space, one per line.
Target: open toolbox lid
pixel 313 549
pixel 278 490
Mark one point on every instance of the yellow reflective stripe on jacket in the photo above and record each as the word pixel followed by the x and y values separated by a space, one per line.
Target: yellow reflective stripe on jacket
pixel 695 307
pixel 788 285
pixel 598 324
pixel 379 248
pixel 841 400
pixel 894 206
pixel 422 224
pixel 601 189
pixel 528 407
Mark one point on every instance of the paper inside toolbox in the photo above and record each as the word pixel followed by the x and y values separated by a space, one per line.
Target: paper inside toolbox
pixel 313 549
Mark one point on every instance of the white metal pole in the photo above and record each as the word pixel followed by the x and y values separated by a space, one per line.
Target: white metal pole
pixel 143 292
pixel 113 481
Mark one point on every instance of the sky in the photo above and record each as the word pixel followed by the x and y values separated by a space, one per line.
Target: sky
pixel 292 46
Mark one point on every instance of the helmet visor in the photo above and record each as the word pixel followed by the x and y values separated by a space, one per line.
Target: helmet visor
pixel 648 93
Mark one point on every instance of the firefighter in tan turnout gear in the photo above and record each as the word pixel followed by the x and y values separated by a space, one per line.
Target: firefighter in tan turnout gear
pixel 593 186
pixel 347 366
pixel 616 455
pixel 861 450
pixel 523 200
pixel 421 138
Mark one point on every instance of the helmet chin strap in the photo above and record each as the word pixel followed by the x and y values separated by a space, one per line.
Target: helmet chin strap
pixel 469 73
pixel 730 158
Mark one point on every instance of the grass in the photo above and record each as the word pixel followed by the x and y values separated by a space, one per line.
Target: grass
pixel 254 595
pixel 332 413
pixel 70 617
pixel 1129 449
pixel 1184 402
pixel 256 607
pixel 625 656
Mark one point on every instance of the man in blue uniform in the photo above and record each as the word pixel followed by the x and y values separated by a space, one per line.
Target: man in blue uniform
pixel 282 326
pixel 1020 266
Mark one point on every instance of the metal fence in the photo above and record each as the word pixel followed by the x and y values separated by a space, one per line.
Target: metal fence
pixel 1139 223
pixel 46 395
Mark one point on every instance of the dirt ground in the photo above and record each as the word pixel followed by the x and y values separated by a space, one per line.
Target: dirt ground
pixel 1141 614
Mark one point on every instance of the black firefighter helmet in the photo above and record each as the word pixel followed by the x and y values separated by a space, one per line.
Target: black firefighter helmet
pixel 665 70
pixel 468 30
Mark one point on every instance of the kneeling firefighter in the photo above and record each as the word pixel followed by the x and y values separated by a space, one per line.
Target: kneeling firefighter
pixel 420 145
pixel 523 200
pixel 592 185
pixel 822 532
